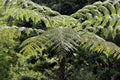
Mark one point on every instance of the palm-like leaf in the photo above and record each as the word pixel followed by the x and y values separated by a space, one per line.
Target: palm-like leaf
pixel 97 44
pixel 33 46
pixel 101 17
pixel 64 40
pixel 25 10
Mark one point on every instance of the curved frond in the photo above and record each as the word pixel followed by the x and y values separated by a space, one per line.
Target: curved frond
pixel 63 40
pixel 103 18
pixel 94 43
pixel 33 46
pixel 26 10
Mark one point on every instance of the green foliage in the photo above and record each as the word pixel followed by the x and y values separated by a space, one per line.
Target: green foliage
pixel 37 43
pixel 33 46
pixel 21 11
pixel 66 40
pixel 95 43
pixel 5 62
pixel 101 18
pixel 60 40
pixel 8 43
pixel 62 21
pixel 2 23
pixel 23 73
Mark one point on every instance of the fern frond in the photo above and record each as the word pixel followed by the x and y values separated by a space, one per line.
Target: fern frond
pixel 9 37
pixel 24 14
pixel 105 18
pixel 63 40
pixel 33 46
pixel 94 43
pixel 62 20
pixel 26 10
pixel 117 6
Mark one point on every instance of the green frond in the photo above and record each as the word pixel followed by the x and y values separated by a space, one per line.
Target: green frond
pixel 113 13
pixel 77 14
pixel 33 46
pixel 24 14
pixel 103 17
pixel 62 20
pixel 10 35
pixel 86 31
pixel 106 16
pixel 7 33
pixel 9 39
pixel 89 21
pixel 26 10
pixel 63 40
pixel 117 6
pixel 94 43
pixel 99 3
pixel 117 25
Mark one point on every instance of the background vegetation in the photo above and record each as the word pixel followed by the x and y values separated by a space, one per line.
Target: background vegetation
pixel 60 42
pixel 65 7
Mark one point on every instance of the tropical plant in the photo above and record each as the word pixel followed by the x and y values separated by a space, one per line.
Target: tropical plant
pixel 102 18
pixel 56 37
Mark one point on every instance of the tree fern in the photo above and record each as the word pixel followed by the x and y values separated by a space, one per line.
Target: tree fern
pixel 66 34
pixel 62 42
pixel 22 10
pixel 97 44
pixel 65 40
pixel 106 15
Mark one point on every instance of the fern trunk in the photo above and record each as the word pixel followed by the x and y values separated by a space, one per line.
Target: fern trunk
pixel 62 64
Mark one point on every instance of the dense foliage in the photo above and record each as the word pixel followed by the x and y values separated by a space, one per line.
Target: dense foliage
pixel 38 43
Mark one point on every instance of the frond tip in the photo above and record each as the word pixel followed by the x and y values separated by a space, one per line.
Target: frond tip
pixel 33 46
